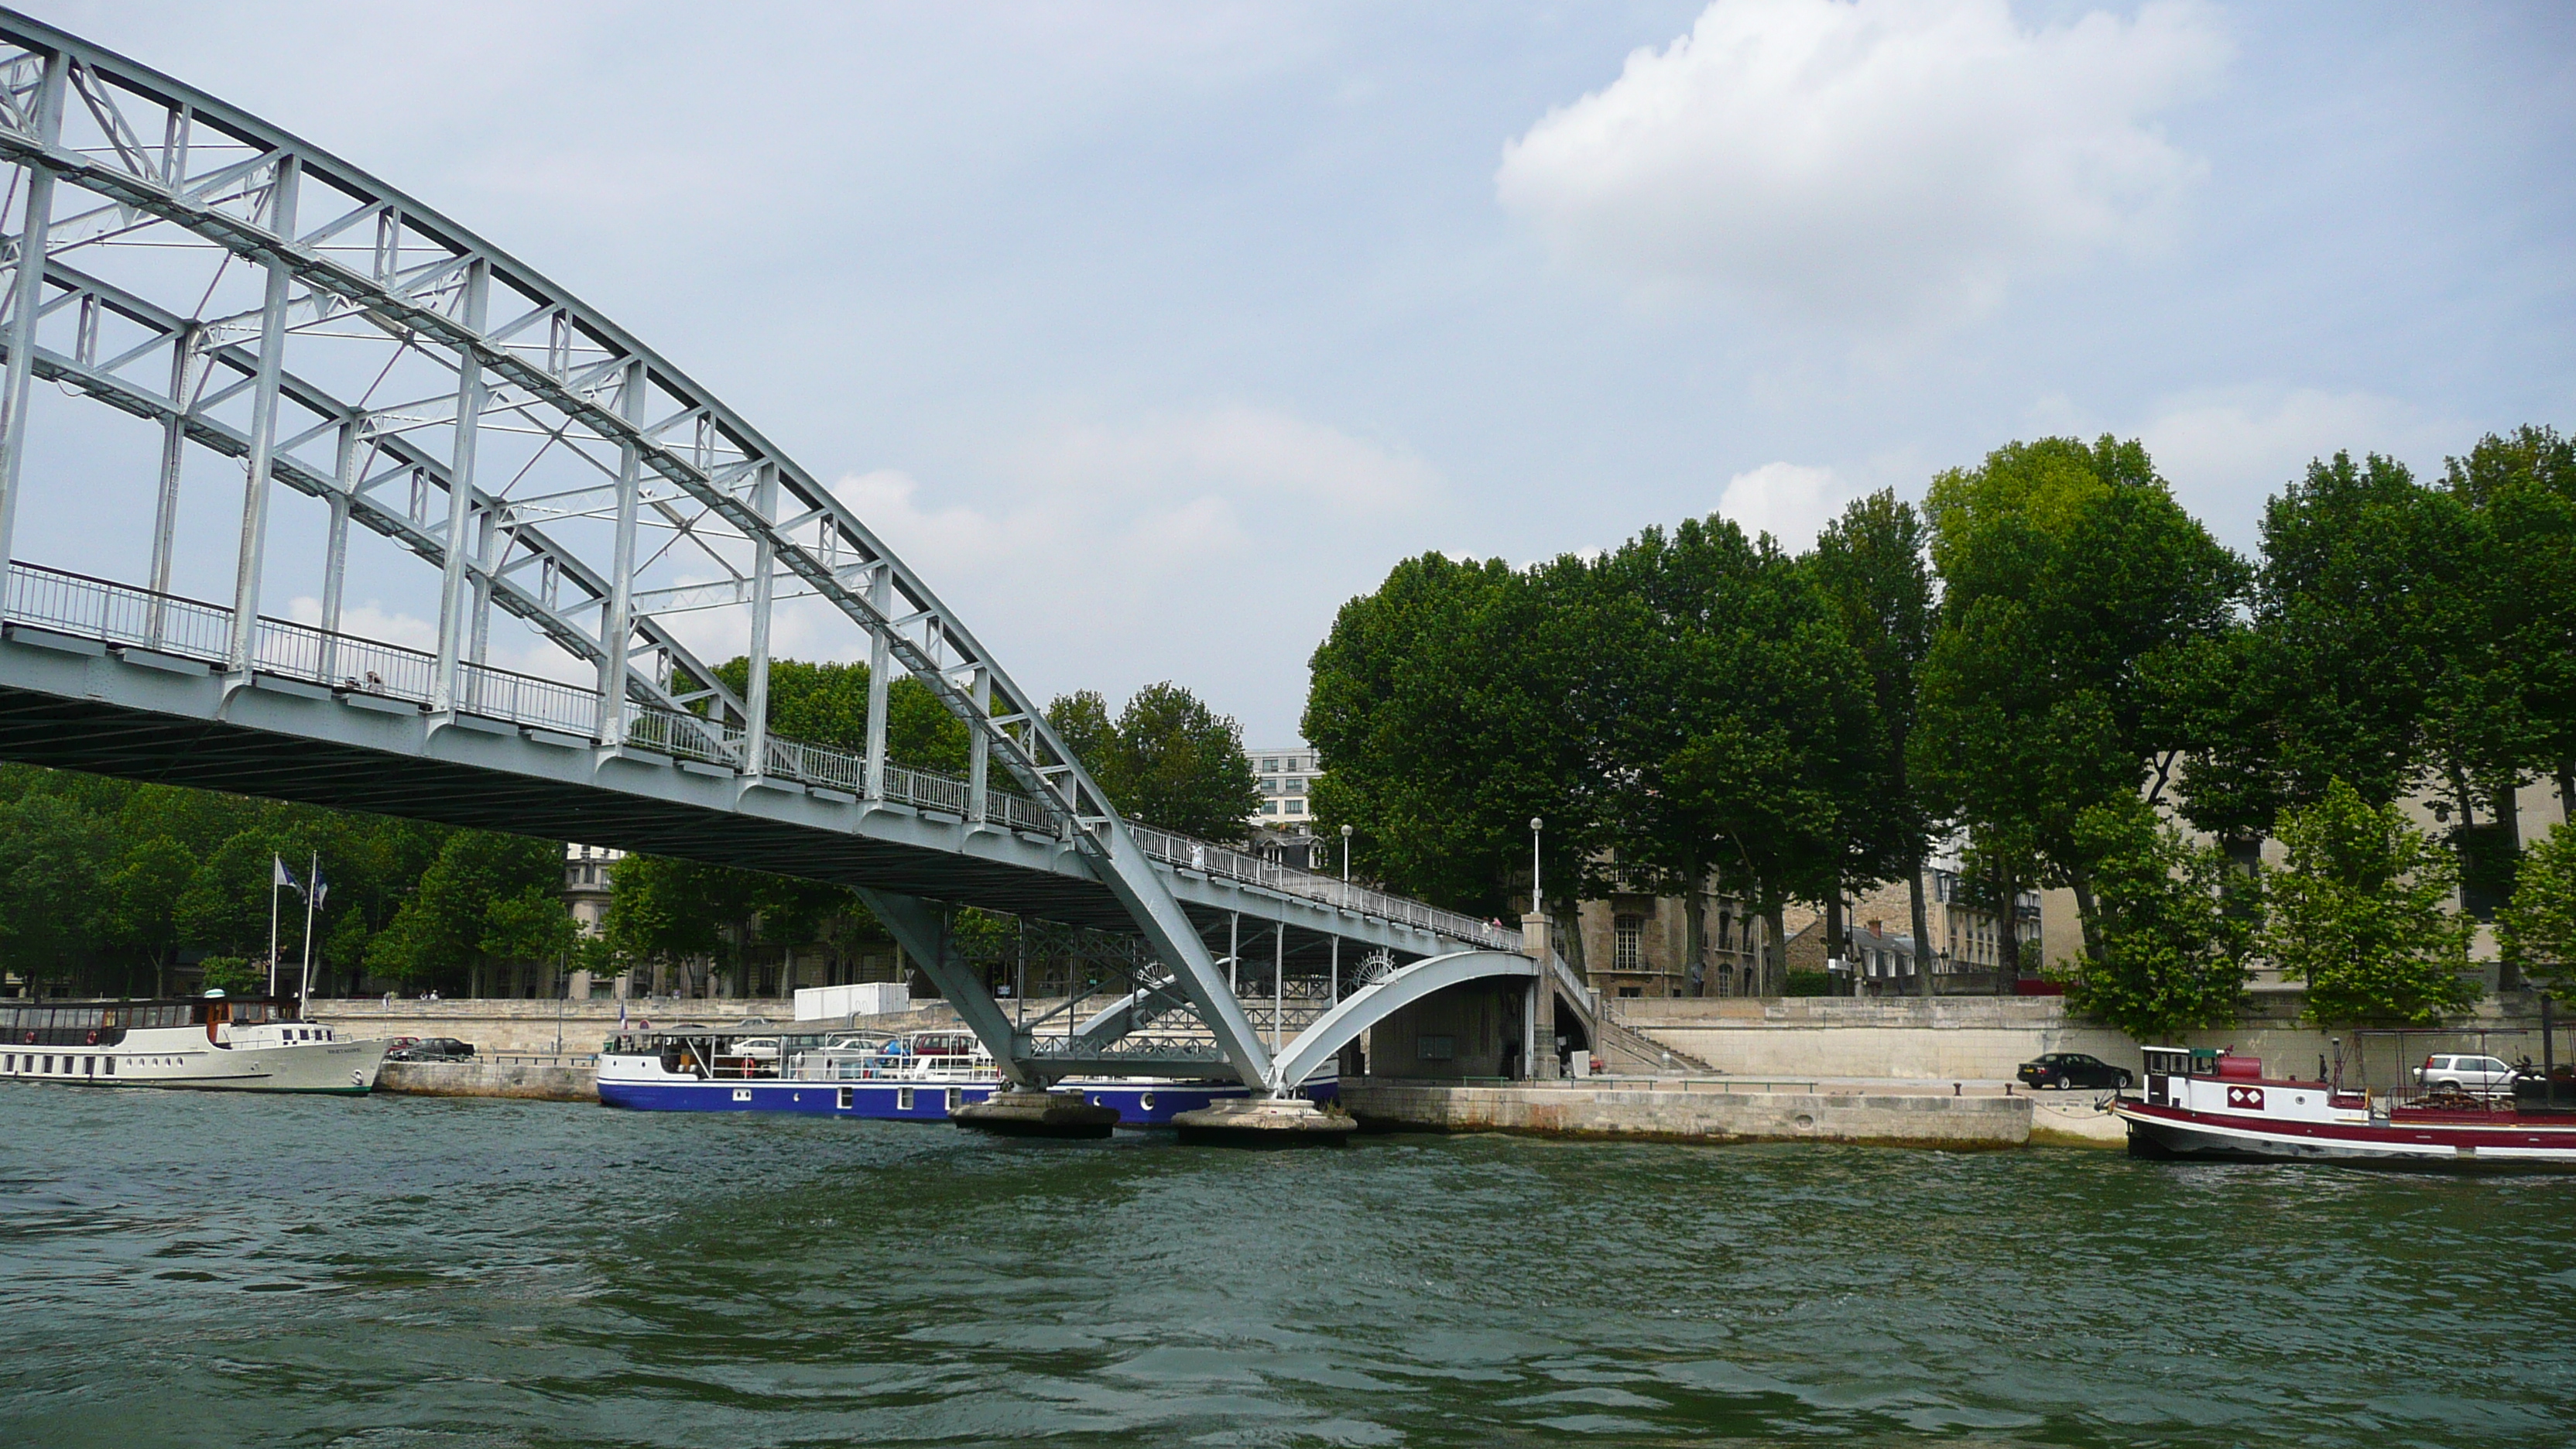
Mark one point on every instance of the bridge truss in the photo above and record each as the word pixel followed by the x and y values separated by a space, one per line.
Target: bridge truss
pixel 584 529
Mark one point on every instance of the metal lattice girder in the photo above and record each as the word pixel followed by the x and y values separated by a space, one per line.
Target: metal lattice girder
pixel 362 289
pixel 364 490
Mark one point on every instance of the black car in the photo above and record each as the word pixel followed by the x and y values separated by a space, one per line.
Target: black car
pixel 430 1049
pixel 2073 1069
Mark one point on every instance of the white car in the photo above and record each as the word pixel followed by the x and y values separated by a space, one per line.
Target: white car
pixel 2479 1076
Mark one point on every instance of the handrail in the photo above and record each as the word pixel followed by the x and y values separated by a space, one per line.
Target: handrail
pixel 123 615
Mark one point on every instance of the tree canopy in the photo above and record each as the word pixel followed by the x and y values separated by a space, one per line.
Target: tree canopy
pixel 1166 760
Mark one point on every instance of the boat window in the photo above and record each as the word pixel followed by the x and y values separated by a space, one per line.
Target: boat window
pixel 111 1066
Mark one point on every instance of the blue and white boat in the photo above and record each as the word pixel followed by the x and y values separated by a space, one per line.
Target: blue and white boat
pixel 919 1076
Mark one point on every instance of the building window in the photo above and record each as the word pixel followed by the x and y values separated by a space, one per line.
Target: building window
pixel 1296 807
pixel 1628 943
pixel 1270 767
pixel 1269 807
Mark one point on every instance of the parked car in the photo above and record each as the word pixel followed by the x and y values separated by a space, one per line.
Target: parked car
pixel 2477 1075
pixel 429 1049
pixel 2073 1069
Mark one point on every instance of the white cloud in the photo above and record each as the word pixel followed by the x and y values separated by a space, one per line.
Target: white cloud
pixel 1883 165
pixel 1789 501
pixel 2226 452
pixel 1231 451
pixel 1208 546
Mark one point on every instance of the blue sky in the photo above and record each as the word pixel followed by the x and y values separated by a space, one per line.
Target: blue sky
pixel 1152 333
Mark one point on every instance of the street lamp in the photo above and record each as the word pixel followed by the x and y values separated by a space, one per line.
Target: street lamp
pixel 1346 855
pixel 1535 825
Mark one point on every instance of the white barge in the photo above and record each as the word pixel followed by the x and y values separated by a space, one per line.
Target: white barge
pixel 2211 1104
pixel 209 1043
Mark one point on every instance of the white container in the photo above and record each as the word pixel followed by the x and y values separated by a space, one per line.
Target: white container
pixel 865 998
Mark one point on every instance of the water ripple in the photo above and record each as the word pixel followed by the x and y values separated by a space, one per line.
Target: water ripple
pixel 191 1270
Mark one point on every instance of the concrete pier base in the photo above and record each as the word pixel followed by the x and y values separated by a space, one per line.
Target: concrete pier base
pixel 1036 1114
pixel 1264 1122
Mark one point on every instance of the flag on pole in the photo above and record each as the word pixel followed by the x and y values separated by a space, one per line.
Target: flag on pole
pixel 280 875
pixel 321 888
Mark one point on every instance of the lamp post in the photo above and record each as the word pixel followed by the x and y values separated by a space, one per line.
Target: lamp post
pixel 1346 855
pixel 1539 1012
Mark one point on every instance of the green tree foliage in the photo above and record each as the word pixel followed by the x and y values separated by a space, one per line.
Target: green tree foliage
pixel 2538 931
pixel 1449 707
pixel 2082 605
pixel 681 911
pixel 1873 576
pixel 2359 912
pixel 2370 628
pixel 1757 756
pixel 2524 485
pixel 827 704
pixel 152 871
pixel 233 975
pixel 1167 760
pixel 484 901
pixel 2177 926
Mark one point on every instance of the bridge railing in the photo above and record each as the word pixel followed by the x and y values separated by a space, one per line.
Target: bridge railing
pixel 122 614
pixel 1189 852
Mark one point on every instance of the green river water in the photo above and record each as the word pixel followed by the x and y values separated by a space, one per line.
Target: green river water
pixel 225 1271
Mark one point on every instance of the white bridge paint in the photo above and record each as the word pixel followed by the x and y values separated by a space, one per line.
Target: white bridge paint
pixel 1370 1005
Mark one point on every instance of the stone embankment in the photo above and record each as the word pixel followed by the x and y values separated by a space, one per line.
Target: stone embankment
pixel 1684 1110
pixel 535 1081
pixel 1970 1038
pixel 533 1028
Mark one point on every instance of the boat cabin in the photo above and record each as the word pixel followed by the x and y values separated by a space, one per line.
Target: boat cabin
pixel 105 1023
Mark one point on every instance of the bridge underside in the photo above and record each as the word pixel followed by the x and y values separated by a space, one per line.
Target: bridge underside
pixel 75 704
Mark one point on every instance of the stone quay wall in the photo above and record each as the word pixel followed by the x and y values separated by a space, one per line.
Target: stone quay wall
pixel 529 1027
pixel 490 1079
pixel 1692 1112
pixel 1967 1038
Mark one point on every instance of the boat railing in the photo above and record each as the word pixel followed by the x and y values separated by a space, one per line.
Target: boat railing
pixel 880 1066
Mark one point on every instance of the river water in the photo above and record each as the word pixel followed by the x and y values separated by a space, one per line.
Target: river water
pixel 217 1270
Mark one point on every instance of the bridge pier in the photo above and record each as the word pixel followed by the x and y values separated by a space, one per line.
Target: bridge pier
pixel 1017 1112
pixel 1264 1122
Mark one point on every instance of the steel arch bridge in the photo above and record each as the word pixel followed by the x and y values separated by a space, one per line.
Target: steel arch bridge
pixel 585 527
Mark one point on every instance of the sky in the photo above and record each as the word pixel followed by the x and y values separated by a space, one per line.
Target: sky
pixel 1151 334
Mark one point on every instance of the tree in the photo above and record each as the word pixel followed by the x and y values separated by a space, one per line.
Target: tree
pixel 2079 598
pixel 1451 706
pixel 1738 733
pixel 2537 932
pixel 52 853
pixel 473 909
pixel 2177 927
pixel 2366 613
pixel 827 704
pixel 1168 760
pixel 2358 913
pixel 1183 766
pixel 1875 582
pixel 2524 486
pixel 683 910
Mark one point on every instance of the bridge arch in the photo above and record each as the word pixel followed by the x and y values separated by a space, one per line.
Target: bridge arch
pixel 1374 1003
pixel 253 296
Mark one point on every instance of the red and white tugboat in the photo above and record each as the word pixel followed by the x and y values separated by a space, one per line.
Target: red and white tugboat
pixel 2214 1104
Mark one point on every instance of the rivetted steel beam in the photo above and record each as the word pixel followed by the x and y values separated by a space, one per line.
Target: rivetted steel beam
pixel 195 420
pixel 26 296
